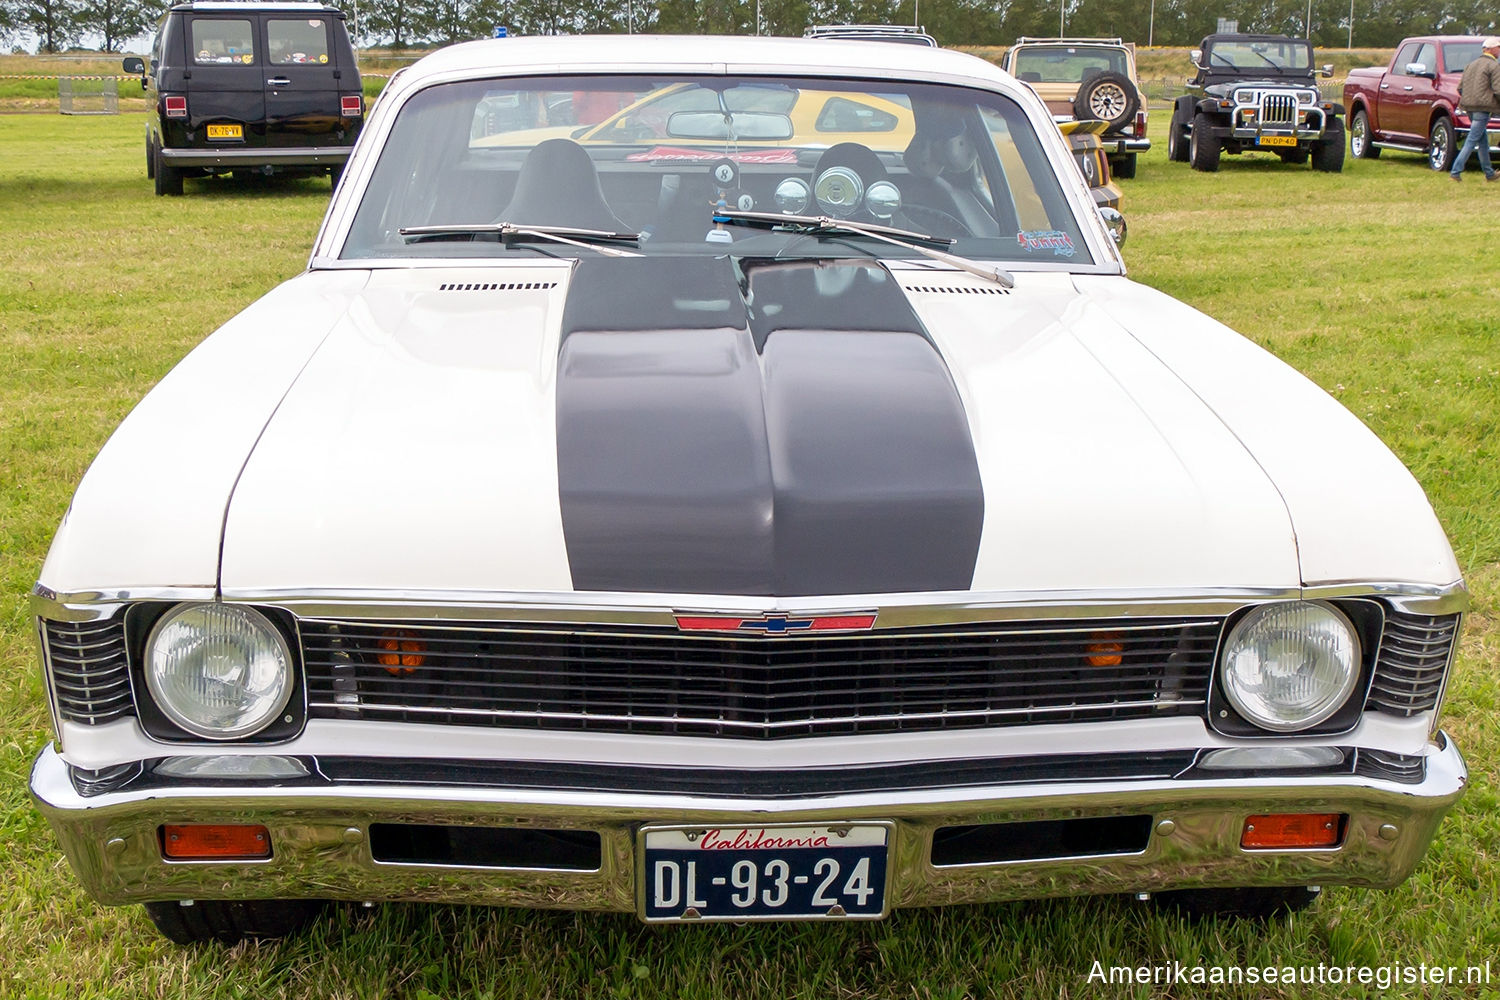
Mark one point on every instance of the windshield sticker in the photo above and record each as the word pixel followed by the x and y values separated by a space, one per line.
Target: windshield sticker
pixel 669 154
pixel 1055 240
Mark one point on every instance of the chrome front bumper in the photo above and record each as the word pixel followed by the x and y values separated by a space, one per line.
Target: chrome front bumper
pixel 321 842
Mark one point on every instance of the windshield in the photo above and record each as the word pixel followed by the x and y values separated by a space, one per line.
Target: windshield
pixel 656 157
pixel 1261 56
pixel 1067 63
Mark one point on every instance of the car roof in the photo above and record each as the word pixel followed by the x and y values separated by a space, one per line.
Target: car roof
pixel 1234 36
pixel 709 55
pixel 253 6
pixel 1065 40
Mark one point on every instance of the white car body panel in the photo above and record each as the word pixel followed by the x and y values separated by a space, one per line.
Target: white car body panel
pixel 1358 512
pixel 425 420
pixel 1101 473
pixel 150 510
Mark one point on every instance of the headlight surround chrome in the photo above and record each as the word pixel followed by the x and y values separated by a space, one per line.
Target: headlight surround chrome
pixel 219 671
pixel 1288 666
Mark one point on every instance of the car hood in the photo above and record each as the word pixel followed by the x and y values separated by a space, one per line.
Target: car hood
pixel 570 427
pixel 1226 88
pixel 557 430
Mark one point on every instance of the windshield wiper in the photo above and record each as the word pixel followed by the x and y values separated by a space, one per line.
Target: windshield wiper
pixel 825 225
pixel 589 239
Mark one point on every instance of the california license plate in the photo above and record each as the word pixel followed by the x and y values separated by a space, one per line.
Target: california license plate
pixel 1277 140
pixel 834 871
pixel 226 131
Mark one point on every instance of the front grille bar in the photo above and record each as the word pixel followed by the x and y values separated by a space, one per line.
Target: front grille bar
pixel 659 681
pixel 89 675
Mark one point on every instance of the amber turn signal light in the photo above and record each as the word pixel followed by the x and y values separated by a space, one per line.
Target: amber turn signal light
pixel 1105 649
pixel 217 841
pixel 1293 830
pixel 405 653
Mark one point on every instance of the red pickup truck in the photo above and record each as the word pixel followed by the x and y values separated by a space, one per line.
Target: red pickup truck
pixel 1413 103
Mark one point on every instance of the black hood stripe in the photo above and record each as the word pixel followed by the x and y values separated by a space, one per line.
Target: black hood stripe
pixel 784 429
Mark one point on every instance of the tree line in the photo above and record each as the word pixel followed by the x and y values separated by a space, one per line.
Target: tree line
pixel 60 24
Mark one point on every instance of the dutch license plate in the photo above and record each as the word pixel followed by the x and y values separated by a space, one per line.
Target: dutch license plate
pixel 1277 140
pixel 833 871
pixel 226 132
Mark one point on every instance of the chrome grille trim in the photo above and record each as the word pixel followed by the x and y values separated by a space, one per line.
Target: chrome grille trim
pixel 1413 663
pixel 658 681
pixel 87 670
pixel 1278 110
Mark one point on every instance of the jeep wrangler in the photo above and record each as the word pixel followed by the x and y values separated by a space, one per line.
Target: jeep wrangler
pixel 1256 92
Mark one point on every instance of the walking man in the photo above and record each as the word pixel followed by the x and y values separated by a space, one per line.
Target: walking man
pixel 1479 98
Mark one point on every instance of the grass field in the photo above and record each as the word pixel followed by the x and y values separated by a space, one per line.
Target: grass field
pixel 1378 283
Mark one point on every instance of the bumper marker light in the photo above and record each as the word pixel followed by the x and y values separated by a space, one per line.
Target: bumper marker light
pixel 214 841
pixel 1283 830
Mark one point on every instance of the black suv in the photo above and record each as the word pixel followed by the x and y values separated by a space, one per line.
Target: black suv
pixel 1256 92
pixel 258 87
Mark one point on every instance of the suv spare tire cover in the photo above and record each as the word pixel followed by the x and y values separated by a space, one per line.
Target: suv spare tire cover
pixel 1109 97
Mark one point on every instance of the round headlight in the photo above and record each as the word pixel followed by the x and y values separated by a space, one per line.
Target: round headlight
pixel 219 671
pixel 1290 666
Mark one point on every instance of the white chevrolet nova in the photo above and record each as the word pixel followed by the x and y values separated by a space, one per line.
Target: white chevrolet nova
pixel 734 479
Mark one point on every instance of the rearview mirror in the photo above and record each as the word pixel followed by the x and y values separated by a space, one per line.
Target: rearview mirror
pixel 752 126
pixel 1196 55
pixel 134 64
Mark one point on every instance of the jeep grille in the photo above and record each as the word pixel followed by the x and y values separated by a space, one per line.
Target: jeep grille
pixel 1278 110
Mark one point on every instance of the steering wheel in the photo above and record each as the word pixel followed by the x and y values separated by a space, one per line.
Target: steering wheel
pixel 937 222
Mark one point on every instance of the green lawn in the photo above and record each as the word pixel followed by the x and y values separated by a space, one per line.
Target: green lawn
pixel 1378 283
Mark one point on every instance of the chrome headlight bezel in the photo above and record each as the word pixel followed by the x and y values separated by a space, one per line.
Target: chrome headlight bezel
pixel 175 720
pixel 1236 712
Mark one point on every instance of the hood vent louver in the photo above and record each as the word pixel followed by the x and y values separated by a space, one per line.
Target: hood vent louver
pixel 497 286
pixel 957 289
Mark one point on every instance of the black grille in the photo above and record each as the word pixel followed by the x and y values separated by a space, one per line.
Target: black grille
pixel 89 672
pixel 660 681
pixel 1414 653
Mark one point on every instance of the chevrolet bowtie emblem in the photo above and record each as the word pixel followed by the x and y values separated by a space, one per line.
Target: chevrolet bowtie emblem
pixel 777 624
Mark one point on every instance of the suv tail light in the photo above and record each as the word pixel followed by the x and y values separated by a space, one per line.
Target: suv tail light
pixel 176 107
pixel 1140 124
pixel 351 105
